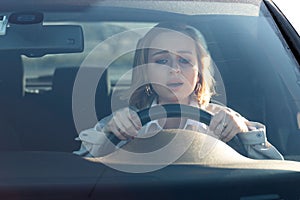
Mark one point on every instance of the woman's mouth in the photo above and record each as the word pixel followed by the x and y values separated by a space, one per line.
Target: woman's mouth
pixel 174 85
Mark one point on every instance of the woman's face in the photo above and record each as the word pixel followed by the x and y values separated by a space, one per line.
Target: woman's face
pixel 173 67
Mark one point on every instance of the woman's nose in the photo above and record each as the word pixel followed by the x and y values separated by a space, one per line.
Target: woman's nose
pixel 175 67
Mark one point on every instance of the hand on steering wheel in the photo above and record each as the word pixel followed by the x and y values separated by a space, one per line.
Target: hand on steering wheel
pixel 124 124
pixel 226 123
pixel 126 121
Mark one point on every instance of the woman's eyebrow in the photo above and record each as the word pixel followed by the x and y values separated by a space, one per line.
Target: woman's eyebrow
pixel 165 51
pixel 185 51
pixel 160 52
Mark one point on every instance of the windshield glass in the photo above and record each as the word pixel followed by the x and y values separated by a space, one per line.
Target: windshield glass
pixel 253 71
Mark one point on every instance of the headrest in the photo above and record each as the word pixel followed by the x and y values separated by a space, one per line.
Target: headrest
pixel 64 78
pixel 62 88
pixel 11 76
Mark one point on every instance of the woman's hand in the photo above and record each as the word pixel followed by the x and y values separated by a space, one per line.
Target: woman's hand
pixel 125 124
pixel 226 123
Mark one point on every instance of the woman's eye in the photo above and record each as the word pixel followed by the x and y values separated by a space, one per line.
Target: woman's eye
pixel 184 61
pixel 161 61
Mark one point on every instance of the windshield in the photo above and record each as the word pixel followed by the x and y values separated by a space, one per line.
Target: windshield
pixel 254 71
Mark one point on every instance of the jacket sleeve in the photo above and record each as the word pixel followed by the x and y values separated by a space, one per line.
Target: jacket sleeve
pixel 253 143
pixel 256 144
pixel 94 141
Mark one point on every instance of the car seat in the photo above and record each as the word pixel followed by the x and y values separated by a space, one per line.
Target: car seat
pixel 11 94
pixel 53 128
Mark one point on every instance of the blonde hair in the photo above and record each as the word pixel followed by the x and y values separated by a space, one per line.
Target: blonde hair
pixel 139 97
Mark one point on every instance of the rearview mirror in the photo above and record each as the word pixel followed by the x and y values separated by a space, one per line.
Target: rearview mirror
pixel 36 40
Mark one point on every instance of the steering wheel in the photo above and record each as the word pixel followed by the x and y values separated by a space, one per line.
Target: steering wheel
pixel 204 149
pixel 169 111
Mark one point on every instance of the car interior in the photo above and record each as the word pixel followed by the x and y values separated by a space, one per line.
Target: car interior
pixel 43 120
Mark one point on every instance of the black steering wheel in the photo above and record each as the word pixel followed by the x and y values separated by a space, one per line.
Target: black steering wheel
pixel 218 151
pixel 169 111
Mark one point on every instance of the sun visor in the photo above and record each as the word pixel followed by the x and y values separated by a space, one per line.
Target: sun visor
pixel 26 34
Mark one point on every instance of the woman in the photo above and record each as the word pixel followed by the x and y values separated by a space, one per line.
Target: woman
pixel 172 65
